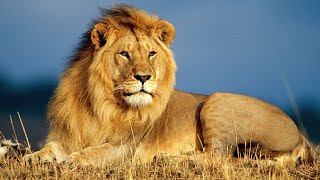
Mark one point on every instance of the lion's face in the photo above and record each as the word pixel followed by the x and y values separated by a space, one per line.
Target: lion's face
pixel 137 66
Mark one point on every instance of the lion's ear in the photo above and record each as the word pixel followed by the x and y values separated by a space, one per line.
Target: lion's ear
pixel 165 32
pixel 99 35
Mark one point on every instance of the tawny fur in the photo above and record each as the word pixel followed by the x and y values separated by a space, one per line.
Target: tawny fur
pixel 97 114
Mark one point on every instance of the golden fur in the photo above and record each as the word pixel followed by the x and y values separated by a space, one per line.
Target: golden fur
pixel 117 100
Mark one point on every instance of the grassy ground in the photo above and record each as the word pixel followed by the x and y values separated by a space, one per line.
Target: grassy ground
pixel 192 166
pixel 163 167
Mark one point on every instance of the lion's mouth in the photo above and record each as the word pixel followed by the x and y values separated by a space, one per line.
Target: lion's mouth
pixel 133 93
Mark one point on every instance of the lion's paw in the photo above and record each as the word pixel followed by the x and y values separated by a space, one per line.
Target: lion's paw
pixel 39 157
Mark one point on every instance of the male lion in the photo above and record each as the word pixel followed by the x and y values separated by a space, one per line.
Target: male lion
pixel 117 100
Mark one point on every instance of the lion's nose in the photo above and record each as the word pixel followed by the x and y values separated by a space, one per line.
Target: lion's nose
pixel 142 78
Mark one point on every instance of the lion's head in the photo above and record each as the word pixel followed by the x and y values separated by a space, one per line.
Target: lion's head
pixel 124 64
pixel 132 55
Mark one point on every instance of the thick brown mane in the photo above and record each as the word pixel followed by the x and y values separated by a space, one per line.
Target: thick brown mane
pixel 125 16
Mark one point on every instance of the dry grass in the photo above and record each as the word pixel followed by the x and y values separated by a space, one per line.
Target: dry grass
pixel 163 167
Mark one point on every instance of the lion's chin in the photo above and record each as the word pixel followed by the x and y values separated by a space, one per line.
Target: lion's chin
pixel 139 99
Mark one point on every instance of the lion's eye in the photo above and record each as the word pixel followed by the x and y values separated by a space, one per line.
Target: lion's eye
pixel 124 54
pixel 152 54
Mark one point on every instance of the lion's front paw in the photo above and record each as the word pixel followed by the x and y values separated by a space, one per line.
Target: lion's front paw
pixel 77 158
pixel 39 156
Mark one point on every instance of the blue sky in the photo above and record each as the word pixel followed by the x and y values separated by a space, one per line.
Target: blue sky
pixel 247 47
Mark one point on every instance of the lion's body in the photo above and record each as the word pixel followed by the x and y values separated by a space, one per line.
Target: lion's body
pixel 178 130
pixel 117 99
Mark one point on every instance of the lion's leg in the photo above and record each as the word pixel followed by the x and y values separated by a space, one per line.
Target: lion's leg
pixel 219 144
pixel 229 120
pixel 101 155
pixel 219 137
pixel 51 152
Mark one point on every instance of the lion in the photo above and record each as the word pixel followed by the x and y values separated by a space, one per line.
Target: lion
pixel 116 100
